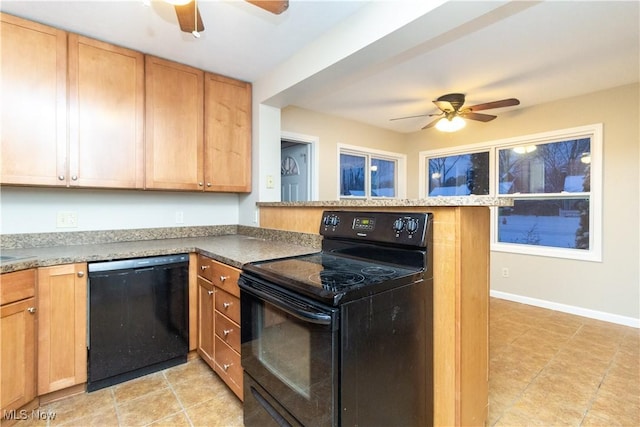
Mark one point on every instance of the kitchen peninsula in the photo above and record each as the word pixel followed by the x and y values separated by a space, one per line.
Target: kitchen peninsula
pixel 460 261
pixel 461 237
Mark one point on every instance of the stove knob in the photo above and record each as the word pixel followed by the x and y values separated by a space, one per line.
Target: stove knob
pixel 335 221
pixel 398 225
pixel 412 225
pixel 327 220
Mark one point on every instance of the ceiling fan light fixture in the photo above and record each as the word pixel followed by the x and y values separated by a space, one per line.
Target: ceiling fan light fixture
pixel 450 125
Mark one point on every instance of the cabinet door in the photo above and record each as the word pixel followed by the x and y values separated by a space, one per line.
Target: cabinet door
pixel 205 320
pixel 18 351
pixel 106 115
pixel 62 327
pixel 227 134
pixel 174 125
pixel 33 85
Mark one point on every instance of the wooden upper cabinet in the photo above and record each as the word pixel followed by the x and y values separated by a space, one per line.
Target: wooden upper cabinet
pixel 33 85
pixel 174 125
pixel 106 115
pixel 227 134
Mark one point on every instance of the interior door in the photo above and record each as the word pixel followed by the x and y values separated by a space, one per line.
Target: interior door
pixel 294 171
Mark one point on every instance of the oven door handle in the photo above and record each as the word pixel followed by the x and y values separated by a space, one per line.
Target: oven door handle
pixel 307 314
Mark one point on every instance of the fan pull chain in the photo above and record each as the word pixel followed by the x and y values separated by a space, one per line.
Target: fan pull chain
pixel 195 32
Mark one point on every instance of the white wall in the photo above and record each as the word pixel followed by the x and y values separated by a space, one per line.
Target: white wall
pixel 34 210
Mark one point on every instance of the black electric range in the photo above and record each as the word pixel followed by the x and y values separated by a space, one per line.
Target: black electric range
pixel 342 337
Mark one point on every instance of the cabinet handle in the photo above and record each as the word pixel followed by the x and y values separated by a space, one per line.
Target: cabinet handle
pixel 204 267
pixel 31 310
pixel 74 177
pixel 201 184
pixel 227 332
pixel 61 177
pixel 210 292
pixel 226 304
pixel 80 273
pixel 223 278
pixel 226 366
pixel 208 184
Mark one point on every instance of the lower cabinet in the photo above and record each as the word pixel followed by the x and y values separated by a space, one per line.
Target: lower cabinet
pixel 18 318
pixel 62 331
pixel 205 321
pixel 219 320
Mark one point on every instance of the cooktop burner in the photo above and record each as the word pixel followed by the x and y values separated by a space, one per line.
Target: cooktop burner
pixel 332 276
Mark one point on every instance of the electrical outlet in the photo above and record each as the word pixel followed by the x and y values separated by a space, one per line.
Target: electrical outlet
pixel 67 219
pixel 270 181
pixel 179 217
pixel 505 272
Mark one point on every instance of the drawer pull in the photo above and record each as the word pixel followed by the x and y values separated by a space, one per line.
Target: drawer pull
pixel 226 304
pixel 204 267
pixel 80 273
pixel 226 366
pixel 31 310
pixel 210 292
pixel 223 278
pixel 226 332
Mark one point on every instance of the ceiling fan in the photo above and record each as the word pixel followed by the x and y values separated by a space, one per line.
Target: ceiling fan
pixel 452 113
pixel 191 22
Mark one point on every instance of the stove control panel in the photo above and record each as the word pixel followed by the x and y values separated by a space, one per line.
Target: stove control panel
pixel 388 227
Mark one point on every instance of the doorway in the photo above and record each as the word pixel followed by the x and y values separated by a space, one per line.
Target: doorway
pixel 297 168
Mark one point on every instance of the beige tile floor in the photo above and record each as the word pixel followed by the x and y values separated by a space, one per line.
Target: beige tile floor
pixel 549 368
pixel 546 369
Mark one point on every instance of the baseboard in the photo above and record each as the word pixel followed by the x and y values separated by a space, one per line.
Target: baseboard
pixel 578 311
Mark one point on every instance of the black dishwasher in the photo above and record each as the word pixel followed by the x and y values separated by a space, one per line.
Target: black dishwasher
pixel 138 318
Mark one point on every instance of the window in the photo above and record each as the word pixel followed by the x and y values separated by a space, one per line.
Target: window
pixel 459 175
pixel 554 180
pixel 550 183
pixel 369 174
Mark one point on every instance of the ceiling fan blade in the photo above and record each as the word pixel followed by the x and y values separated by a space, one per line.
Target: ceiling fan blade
pixel 431 124
pixel 478 116
pixel 410 117
pixel 273 6
pixel 187 17
pixel 495 104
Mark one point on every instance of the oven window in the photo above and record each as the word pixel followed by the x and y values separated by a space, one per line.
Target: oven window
pixel 292 354
pixel 284 349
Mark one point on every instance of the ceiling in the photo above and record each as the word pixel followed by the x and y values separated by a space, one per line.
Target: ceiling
pixel 534 51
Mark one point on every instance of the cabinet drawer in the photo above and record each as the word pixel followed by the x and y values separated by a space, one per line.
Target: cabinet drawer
pixel 226 277
pixel 228 304
pixel 228 331
pixel 205 267
pixel 228 366
pixel 17 285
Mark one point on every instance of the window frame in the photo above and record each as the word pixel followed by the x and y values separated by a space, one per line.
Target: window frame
pixel 593 131
pixel 368 153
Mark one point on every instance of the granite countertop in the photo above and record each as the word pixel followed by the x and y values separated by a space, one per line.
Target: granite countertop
pixel 234 249
pixel 388 202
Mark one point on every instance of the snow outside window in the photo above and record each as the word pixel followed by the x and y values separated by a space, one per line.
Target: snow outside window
pixel 553 178
pixel 369 174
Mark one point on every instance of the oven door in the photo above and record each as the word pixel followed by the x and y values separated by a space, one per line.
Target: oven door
pixel 290 349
